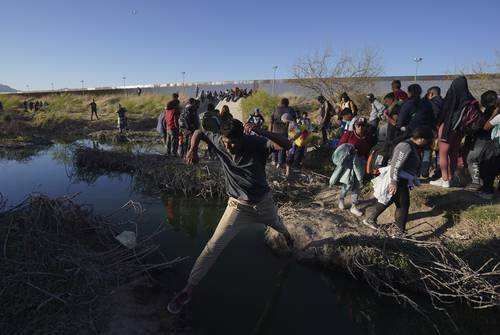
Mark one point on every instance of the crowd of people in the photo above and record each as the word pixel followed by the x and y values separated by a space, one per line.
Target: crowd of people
pixel 395 144
pixel 33 105
pixel 228 95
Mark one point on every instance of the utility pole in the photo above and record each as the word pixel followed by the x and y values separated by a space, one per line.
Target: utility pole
pixel 124 90
pixel 183 82
pixel 274 79
pixel 417 60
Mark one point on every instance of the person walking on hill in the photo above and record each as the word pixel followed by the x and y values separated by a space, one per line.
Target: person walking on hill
pixel 394 184
pixel 326 112
pixel 243 158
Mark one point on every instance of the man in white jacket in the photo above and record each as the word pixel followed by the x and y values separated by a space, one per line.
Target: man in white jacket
pixel 377 111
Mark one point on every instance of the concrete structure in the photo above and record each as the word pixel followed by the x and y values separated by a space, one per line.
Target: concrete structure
pixel 283 86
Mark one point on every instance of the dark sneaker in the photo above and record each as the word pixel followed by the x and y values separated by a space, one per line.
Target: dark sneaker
pixel 371 224
pixel 178 302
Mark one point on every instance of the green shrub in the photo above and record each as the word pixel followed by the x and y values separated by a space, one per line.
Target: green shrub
pixel 11 103
pixel 261 100
pixel 65 103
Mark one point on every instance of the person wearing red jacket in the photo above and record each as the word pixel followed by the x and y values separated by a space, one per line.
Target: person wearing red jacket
pixel 399 94
pixel 360 139
pixel 172 127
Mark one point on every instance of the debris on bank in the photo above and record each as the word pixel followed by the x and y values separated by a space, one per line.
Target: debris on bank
pixel 59 262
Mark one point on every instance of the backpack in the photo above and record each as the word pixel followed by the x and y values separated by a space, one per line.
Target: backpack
pixel 186 120
pixel 470 118
pixel 375 161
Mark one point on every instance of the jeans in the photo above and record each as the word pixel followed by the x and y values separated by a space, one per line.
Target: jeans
pixel 295 157
pixel 279 157
pixel 186 143
pixel 172 141
pixel 236 217
pixel 354 188
pixel 402 201
pixel 473 159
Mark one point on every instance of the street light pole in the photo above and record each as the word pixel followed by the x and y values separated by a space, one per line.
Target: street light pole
pixel 124 90
pixel 27 88
pixel 274 79
pixel 417 60
pixel 183 82
pixel 82 81
pixel 52 85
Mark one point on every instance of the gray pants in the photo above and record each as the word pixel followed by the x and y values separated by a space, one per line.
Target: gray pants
pixel 473 159
pixel 172 141
pixel 236 217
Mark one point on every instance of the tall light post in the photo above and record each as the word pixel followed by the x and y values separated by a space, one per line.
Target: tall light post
pixel 124 90
pixel 27 88
pixel 417 60
pixel 52 85
pixel 183 82
pixel 82 81
pixel 274 79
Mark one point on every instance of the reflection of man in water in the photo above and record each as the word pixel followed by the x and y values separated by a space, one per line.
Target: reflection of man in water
pixel 243 158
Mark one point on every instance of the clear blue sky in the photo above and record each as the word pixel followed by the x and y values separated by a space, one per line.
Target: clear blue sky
pixel 151 41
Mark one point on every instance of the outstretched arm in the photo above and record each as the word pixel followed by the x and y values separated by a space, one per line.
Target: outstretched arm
pixel 192 154
pixel 279 141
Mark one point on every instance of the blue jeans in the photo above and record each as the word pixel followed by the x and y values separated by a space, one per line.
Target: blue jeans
pixel 279 156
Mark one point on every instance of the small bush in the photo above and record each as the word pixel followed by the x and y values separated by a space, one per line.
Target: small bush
pixel 11 103
pixel 261 100
pixel 65 103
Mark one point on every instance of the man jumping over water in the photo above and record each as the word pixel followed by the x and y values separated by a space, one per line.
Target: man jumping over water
pixel 243 158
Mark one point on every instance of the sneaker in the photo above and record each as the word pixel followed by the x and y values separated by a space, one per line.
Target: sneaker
pixel 178 302
pixel 486 196
pixel 370 224
pixel 341 204
pixel 354 210
pixel 441 183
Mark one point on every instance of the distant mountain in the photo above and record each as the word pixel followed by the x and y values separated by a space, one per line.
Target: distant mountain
pixel 5 88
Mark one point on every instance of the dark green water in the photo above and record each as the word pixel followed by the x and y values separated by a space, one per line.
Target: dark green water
pixel 250 290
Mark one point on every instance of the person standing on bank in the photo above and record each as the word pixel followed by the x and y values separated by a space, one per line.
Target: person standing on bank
pixel 326 112
pixel 122 118
pixel 93 110
pixel 243 158
pixel 278 127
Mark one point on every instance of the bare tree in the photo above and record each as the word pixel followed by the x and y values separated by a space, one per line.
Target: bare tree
pixel 327 74
pixel 482 75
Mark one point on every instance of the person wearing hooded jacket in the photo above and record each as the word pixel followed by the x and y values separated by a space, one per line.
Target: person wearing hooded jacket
pixel 457 97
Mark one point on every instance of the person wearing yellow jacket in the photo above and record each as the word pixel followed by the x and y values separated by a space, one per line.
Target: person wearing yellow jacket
pixel 299 136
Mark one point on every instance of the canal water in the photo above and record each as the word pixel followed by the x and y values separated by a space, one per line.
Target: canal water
pixel 250 290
